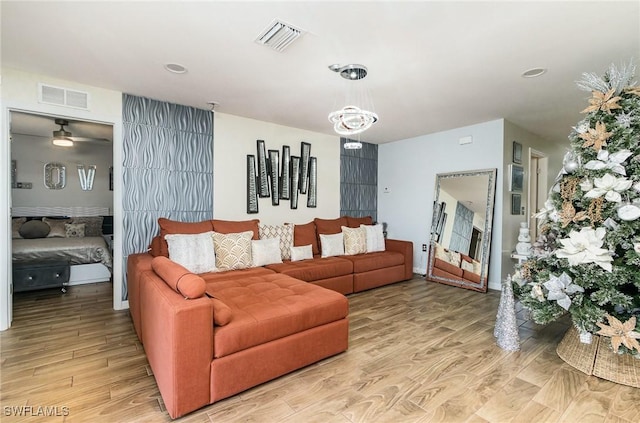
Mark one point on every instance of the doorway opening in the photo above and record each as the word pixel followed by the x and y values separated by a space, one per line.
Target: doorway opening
pixel 538 190
pixel 70 190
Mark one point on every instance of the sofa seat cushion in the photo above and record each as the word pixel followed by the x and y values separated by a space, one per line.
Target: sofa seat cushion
pixel 314 270
pixel 447 267
pixel 235 274
pixel 374 261
pixel 270 307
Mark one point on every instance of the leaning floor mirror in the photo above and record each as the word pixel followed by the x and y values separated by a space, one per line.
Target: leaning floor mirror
pixel 460 240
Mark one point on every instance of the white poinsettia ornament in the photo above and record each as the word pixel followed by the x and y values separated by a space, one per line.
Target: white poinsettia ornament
pixel 609 186
pixel 560 288
pixel 586 247
pixel 628 211
pixel 610 161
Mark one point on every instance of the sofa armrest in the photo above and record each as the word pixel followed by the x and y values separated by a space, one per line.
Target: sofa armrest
pixel 137 264
pixel 178 340
pixel 406 249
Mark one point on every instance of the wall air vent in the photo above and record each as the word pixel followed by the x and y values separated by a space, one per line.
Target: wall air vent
pixel 59 96
pixel 279 35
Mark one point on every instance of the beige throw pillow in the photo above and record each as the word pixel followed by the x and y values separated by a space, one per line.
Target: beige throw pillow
pixel 355 240
pixel 233 251
pixel 74 230
pixel 16 223
pixel 374 237
pixel 57 227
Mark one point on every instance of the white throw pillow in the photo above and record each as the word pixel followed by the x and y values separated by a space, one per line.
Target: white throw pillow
pixel 301 253
pixel 265 251
pixel 332 245
pixel 233 251
pixel 193 252
pixel 375 237
pixel 355 240
pixel 466 265
pixel 283 232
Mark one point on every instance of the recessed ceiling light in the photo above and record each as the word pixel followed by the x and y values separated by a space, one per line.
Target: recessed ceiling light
pixel 532 73
pixel 175 68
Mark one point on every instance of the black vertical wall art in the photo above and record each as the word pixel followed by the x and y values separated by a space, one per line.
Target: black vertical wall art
pixel 285 174
pixel 252 188
pixel 263 179
pixel 312 195
pixel 274 176
pixel 295 176
pixel 305 154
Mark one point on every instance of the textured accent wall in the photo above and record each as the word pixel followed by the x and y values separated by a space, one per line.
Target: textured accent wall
pixel 167 168
pixel 359 180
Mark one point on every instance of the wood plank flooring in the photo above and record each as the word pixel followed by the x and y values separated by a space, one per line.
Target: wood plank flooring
pixel 418 352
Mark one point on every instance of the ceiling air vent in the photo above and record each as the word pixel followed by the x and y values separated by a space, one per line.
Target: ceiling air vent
pixel 279 35
pixel 63 97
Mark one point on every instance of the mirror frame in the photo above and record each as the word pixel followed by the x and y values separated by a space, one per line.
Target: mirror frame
pixel 486 235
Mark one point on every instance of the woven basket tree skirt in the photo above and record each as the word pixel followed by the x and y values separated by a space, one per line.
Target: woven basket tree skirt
pixel 599 360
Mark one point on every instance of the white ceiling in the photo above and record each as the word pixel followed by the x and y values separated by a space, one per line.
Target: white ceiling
pixel 432 66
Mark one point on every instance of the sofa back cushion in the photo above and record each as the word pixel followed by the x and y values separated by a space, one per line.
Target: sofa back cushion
pixel 330 226
pixel 355 222
pixel 306 235
pixel 178 278
pixel 168 226
pixel 237 226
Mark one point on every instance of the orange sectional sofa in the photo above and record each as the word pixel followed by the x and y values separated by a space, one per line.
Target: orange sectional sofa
pixel 212 335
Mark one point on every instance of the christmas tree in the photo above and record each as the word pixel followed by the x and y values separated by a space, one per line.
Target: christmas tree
pixel 586 261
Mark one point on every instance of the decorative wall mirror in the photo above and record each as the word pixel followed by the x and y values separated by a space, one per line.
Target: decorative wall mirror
pixel 461 229
pixel 55 175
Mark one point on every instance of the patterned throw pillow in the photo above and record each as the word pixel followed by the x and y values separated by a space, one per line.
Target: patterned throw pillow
pixel 233 251
pixel 375 237
pixel 332 245
pixel 57 227
pixel 194 252
pixel 74 230
pixel 265 251
pixel 355 240
pixel 283 232
pixel 92 224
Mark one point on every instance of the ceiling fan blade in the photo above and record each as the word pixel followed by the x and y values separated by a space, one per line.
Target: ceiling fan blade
pixel 85 139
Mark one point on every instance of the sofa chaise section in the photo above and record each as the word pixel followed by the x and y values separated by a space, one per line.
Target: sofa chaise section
pixel 278 324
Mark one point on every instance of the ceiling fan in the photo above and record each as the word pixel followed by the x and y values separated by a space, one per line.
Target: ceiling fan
pixel 64 138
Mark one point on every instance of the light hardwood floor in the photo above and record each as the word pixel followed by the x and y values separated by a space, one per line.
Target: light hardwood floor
pixel 418 352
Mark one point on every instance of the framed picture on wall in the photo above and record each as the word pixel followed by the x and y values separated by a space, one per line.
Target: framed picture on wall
pixel 516 203
pixel 517 152
pixel 516 178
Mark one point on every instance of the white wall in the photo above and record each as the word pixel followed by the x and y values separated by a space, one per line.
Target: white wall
pixel 20 93
pixel 235 137
pixel 32 153
pixel 406 181
pixel 554 150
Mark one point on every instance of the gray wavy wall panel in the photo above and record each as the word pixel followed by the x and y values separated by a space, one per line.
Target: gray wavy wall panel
pixel 167 168
pixel 359 181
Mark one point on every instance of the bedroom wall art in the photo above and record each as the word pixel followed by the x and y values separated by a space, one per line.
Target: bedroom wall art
pixel 167 168
pixel 55 175
pixel 281 177
pixel 86 174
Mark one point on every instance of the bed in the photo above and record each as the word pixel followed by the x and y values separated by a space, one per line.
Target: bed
pixel 89 256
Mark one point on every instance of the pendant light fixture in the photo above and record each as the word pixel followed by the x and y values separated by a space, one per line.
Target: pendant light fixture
pixel 353 118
